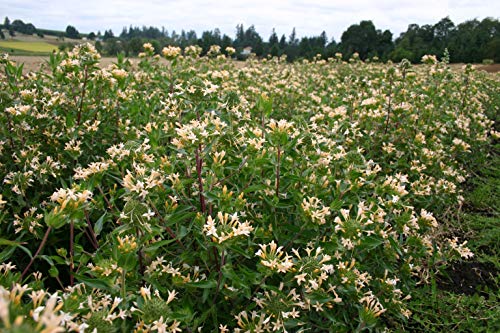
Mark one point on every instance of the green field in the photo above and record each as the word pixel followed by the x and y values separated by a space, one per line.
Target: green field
pixel 28 46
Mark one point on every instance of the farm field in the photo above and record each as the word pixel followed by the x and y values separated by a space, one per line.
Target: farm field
pixel 33 63
pixel 189 193
pixel 41 47
pixel 22 45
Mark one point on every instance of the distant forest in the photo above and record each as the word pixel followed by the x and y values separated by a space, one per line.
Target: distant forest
pixel 472 41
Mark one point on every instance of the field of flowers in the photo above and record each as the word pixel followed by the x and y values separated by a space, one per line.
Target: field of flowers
pixel 206 196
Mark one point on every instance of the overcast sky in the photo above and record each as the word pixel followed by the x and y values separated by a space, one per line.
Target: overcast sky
pixel 308 17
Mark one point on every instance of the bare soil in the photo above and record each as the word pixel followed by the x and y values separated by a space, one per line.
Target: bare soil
pixel 33 63
pixel 469 278
pixel 493 68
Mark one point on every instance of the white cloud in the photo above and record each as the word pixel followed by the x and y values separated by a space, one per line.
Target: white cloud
pixel 309 17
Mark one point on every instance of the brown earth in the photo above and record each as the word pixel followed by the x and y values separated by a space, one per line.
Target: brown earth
pixel 493 68
pixel 33 63
pixel 469 278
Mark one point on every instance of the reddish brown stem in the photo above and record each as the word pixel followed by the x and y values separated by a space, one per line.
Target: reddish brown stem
pixel 71 252
pixel 42 244
pixel 220 182
pixel 219 280
pixel 80 107
pixel 86 231
pixel 167 228
pixel 92 235
pixel 199 165
pixel 278 173
pixel 9 131
pixel 388 109
pixel 110 206
pixel 140 254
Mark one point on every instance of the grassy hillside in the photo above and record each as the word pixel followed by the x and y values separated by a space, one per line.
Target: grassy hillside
pixel 22 44
pixel 28 46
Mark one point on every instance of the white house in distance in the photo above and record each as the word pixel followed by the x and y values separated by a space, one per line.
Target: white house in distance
pixel 246 51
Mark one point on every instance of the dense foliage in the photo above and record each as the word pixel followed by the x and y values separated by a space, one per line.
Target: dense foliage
pixel 204 195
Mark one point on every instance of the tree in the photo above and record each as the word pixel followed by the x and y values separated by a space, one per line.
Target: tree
pixel 29 29
pixel 305 49
pixel 191 37
pixel 273 44
pixel 134 46
pixel 273 39
pixel 113 47
pixel 443 32
pixel 2 36
pixel 91 36
pixel 331 49
pixel 292 39
pixel 253 39
pixel 385 44
pixel 323 39
pixel 283 42
pixel 226 42
pixel 71 32
pixel 18 25
pixel 98 46
pixel 240 36
pixel 360 38
pixel 6 23
pixel 124 34
pixel 209 38
pixel 108 34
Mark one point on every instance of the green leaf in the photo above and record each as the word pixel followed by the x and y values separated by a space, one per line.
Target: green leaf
pixel 99 224
pixel 159 244
pixel 4 241
pixel 180 216
pixel 55 220
pixel 93 282
pixel 371 242
pixel 47 259
pixel 202 284
pixel 127 261
pixel 6 254
pixel 59 260
pixel 255 188
pixel 239 250
pixel 26 250
pixel 53 271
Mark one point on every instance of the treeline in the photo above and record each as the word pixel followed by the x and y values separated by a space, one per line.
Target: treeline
pixel 472 41
pixel 18 26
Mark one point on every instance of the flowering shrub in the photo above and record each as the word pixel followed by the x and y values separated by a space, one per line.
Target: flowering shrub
pixel 203 195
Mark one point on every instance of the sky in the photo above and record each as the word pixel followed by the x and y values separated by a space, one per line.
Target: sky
pixel 309 18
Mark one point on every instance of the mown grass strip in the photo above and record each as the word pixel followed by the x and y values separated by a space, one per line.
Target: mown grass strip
pixel 28 46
